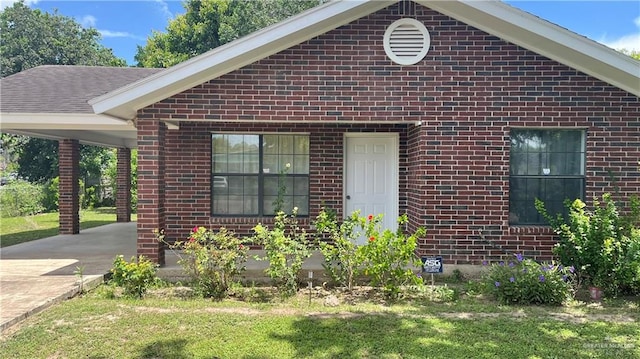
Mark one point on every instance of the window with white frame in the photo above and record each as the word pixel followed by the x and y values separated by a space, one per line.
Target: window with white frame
pixel 255 174
pixel 548 164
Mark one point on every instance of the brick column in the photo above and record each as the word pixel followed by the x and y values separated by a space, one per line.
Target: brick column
pixel 69 201
pixel 151 136
pixel 123 186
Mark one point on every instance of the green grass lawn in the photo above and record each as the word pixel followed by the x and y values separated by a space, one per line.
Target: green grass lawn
pixel 94 327
pixel 16 230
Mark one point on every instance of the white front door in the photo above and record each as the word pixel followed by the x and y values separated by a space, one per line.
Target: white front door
pixel 371 176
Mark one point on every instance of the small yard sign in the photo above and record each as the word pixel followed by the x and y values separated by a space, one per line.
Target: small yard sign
pixel 432 264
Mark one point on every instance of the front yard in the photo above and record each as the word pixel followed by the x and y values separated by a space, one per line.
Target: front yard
pixel 167 326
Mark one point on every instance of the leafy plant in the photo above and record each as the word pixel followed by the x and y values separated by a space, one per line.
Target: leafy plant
pixel 51 194
pixel 212 260
pixel 340 251
pixel 286 247
pixel 524 281
pixel 602 244
pixel 388 256
pixel 20 198
pixel 79 273
pixel 135 277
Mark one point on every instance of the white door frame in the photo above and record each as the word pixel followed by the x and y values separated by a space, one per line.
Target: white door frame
pixel 390 218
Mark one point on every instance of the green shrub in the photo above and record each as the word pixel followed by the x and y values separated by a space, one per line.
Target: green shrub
pixel 388 256
pixel 135 277
pixel 51 194
pixel 20 198
pixel 286 248
pixel 602 244
pixel 524 281
pixel 340 251
pixel 212 260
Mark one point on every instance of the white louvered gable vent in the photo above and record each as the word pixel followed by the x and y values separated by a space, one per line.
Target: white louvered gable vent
pixel 406 41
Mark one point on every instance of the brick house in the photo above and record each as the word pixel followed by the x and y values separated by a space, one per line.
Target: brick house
pixel 456 113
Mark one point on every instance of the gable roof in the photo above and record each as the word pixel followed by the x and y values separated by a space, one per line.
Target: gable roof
pixel 493 17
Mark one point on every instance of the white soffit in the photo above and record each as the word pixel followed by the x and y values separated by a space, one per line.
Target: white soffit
pixel 124 102
pixel 97 130
pixel 62 121
pixel 113 139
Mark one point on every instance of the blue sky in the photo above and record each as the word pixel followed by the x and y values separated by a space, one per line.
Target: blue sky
pixel 125 24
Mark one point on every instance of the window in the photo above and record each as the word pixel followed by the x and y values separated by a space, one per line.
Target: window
pixel 249 171
pixel 544 164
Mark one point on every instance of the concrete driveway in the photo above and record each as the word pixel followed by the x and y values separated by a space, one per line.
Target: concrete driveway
pixel 37 274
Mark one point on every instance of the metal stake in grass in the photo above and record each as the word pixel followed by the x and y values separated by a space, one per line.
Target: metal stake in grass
pixel 310 285
pixel 433 285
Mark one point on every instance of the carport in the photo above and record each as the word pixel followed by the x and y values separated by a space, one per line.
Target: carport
pixel 51 102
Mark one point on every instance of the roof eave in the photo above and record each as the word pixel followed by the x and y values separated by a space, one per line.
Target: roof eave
pixel 62 121
pixel 124 102
pixel 89 129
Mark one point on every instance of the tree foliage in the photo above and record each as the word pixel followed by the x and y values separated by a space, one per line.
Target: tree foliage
pixel 32 38
pixel 210 23
pixel 38 160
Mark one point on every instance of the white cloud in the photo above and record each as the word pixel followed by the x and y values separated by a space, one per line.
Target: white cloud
pixel 630 42
pixel 88 21
pixel 109 33
pixel 627 42
pixel 8 3
pixel 164 9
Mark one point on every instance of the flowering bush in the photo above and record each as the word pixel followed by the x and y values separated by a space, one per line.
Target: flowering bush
pixel 341 258
pixel 524 281
pixel 601 244
pixel 388 256
pixel 286 248
pixel 135 276
pixel 211 259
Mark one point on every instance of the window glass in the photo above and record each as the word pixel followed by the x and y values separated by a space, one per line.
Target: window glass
pixel 249 170
pixel 544 164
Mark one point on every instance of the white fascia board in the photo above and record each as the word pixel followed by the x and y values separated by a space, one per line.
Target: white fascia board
pixel 124 102
pixel 84 137
pixel 545 38
pixel 62 121
pixel 175 123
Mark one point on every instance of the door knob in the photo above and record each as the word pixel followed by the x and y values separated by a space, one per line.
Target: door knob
pixel 348 197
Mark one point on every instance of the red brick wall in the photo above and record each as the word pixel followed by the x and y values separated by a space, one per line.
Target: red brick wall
pixel 188 172
pixel 123 186
pixel 69 187
pixel 468 92
pixel 151 187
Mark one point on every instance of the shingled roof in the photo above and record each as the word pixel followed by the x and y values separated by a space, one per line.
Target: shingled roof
pixel 63 89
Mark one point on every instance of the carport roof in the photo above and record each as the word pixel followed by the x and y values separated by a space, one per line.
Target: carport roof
pixel 63 89
pixel 52 102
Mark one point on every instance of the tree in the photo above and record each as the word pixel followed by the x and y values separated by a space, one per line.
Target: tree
pixel 210 23
pixel 633 53
pixel 32 38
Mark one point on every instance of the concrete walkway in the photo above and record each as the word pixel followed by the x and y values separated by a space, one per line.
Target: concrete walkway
pixel 37 274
